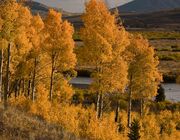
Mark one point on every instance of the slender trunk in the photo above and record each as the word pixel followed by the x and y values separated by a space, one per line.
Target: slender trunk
pixel 141 107
pixel 29 87
pixel 6 86
pixel 129 109
pixel 33 80
pixel 129 104
pixel 23 86
pixel 1 73
pixel 117 112
pixel 16 88
pixel 99 106
pixel 52 78
pixel 99 109
pixel 19 87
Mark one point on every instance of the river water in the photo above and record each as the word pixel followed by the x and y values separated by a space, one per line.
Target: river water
pixel 172 91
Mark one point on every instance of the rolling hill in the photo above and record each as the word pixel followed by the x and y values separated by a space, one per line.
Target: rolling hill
pixel 42 9
pixel 141 6
pixel 167 19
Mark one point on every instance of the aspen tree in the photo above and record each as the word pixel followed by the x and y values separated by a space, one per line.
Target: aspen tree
pixel 9 15
pixel 16 19
pixel 23 45
pixel 36 39
pixel 59 45
pixel 1 59
pixel 144 76
pixel 103 44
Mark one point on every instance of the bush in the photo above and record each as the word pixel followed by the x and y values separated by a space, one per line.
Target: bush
pixel 166 123
pixel 169 78
pixel 41 106
pixel 84 73
pixel 21 102
pixel 178 79
pixel 150 127
pixel 160 97
pixel 78 97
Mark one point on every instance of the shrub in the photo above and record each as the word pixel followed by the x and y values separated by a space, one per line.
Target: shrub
pixel 167 125
pixel 41 106
pixel 178 79
pixel 21 102
pixel 150 128
pixel 160 97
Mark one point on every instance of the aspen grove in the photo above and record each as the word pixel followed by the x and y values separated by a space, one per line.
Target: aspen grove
pixel 38 58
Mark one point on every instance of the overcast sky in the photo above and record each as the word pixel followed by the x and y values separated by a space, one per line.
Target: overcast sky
pixel 77 6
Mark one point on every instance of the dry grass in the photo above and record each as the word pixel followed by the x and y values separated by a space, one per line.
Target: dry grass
pixel 18 125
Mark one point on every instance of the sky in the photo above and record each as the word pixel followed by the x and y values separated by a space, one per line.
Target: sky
pixel 77 6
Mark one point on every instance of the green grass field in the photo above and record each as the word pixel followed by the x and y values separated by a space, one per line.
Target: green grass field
pixel 151 35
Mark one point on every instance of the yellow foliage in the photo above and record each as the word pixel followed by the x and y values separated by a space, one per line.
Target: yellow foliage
pixel 41 106
pixel 143 71
pixel 83 122
pixel 59 43
pixel 63 91
pixel 150 128
pixel 104 43
pixel 3 43
pixel 21 102
pixel 167 125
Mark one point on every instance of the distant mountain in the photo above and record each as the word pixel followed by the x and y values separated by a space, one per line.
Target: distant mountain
pixel 42 9
pixel 37 7
pixel 141 6
pixel 165 19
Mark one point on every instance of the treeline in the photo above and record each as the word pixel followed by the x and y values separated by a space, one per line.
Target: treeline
pixel 38 58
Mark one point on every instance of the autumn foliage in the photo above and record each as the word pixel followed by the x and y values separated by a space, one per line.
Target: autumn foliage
pixel 37 61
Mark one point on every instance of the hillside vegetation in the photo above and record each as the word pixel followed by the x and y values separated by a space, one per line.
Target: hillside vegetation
pixel 38 58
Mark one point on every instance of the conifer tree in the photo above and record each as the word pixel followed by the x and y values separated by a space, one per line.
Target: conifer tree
pixel 134 133
pixel 160 97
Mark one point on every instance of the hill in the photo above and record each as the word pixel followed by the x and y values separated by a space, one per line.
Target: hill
pixel 19 125
pixel 37 7
pixel 42 9
pixel 166 19
pixel 141 6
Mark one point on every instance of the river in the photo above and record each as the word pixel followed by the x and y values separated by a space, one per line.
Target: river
pixel 172 91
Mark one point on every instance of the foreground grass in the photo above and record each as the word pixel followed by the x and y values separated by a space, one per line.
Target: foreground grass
pixel 19 125
pixel 24 120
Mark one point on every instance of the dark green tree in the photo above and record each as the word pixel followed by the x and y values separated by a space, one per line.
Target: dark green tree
pixel 160 97
pixel 134 133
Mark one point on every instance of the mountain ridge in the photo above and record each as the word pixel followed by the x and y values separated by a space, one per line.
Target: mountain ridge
pixel 141 6
pixel 42 9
